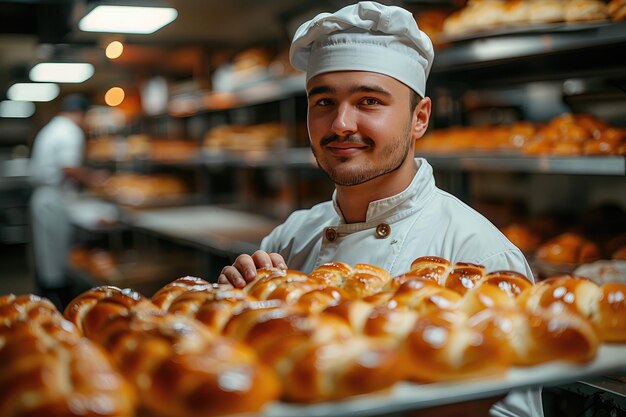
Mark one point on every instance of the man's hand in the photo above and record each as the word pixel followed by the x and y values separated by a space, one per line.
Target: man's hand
pixel 244 269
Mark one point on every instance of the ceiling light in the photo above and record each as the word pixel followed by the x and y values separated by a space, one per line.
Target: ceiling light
pixel 33 92
pixel 61 72
pixel 127 19
pixel 114 50
pixel 114 96
pixel 16 109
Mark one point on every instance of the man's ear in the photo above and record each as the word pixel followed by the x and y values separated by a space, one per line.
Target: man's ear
pixel 421 116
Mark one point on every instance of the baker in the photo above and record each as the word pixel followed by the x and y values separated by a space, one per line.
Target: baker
pixel 366 69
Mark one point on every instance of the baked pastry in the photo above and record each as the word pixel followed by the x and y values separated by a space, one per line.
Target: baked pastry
pixel 339 369
pixel 619 254
pixel 287 286
pixel 568 248
pixel 510 282
pixel 585 10
pixel 93 309
pixel 212 308
pixel 424 296
pixel 48 370
pixel 604 306
pixel 617 9
pixel 442 347
pixel 522 237
pixel 357 282
pixel 163 298
pixel 317 300
pixel 26 308
pixel 539 336
pixel 180 368
pixel 463 277
pixel 546 11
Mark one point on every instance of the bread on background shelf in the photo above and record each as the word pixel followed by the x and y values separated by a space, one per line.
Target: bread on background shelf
pixel 485 16
pixel 565 135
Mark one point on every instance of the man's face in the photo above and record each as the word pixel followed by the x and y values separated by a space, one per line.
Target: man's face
pixel 360 125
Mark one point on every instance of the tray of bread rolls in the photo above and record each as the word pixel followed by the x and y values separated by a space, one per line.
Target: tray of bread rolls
pixel 341 340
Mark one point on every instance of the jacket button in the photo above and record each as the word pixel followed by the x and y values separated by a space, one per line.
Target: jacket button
pixel 331 234
pixel 383 230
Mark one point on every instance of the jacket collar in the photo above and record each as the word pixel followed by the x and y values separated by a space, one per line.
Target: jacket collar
pixel 411 199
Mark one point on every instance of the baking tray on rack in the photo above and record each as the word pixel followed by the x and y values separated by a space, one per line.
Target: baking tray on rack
pixel 406 396
pixel 524 29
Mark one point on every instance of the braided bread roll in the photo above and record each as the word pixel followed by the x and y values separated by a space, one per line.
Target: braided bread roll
pixel 315 301
pixel 441 346
pixel 540 336
pixel 177 365
pixel 164 297
pixel 48 369
pixel 180 368
pixel 316 356
pixel 338 369
pixel 459 277
pixel 358 282
pixel 287 285
pixel 604 306
pixel 25 308
pixel 93 309
pixel 211 307
pixel 510 282
pixel 429 268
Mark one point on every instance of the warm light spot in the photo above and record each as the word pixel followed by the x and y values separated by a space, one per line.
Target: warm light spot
pixel 114 96
pixel 114 50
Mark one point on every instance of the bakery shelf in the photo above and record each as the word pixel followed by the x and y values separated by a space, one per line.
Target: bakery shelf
pixel 289 157
pixel 258 93
pixel 549 51
pixel 216 229
pixel 578 165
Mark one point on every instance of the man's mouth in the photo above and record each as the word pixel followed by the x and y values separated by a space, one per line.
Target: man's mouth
pixel 345 148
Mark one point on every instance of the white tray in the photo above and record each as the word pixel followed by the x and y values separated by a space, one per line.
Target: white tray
pixel 409 396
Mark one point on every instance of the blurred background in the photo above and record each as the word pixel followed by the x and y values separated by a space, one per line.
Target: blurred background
pixel 196 128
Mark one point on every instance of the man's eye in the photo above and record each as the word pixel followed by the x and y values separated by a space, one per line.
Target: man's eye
pixel 323 102
pixel 370 101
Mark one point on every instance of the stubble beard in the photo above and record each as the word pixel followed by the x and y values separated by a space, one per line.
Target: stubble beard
pixel 397 152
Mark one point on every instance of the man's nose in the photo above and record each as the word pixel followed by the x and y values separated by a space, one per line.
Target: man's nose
pixel 345 120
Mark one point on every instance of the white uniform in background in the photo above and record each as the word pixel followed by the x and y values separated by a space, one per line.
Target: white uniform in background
pixel 422 220
pixel 58 145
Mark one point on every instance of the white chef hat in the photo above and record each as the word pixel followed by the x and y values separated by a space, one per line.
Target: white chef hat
pixel 366 36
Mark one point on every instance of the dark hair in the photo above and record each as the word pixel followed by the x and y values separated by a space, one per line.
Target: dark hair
pixel 74 102
pixel 414 99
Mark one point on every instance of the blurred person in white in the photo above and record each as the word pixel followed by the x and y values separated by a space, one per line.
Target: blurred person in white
pixel 366 69
pixel 55 171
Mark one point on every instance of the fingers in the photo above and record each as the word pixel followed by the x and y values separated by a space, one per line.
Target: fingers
pixel 230 275
pixel 278 261
pixel 243 270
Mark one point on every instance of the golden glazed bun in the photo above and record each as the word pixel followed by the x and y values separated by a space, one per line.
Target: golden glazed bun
pixel 442 347
pixel 179 367
pixel 164 297
pixel 540 336
pixel 522 237
pixel 93 309
pixel 617 9
pixel 546 11
pixel 48 369
pixel 569 248
pixel 604 306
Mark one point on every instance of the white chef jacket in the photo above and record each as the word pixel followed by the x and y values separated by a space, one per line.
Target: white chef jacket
pixel 422 220
pixel 58 145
